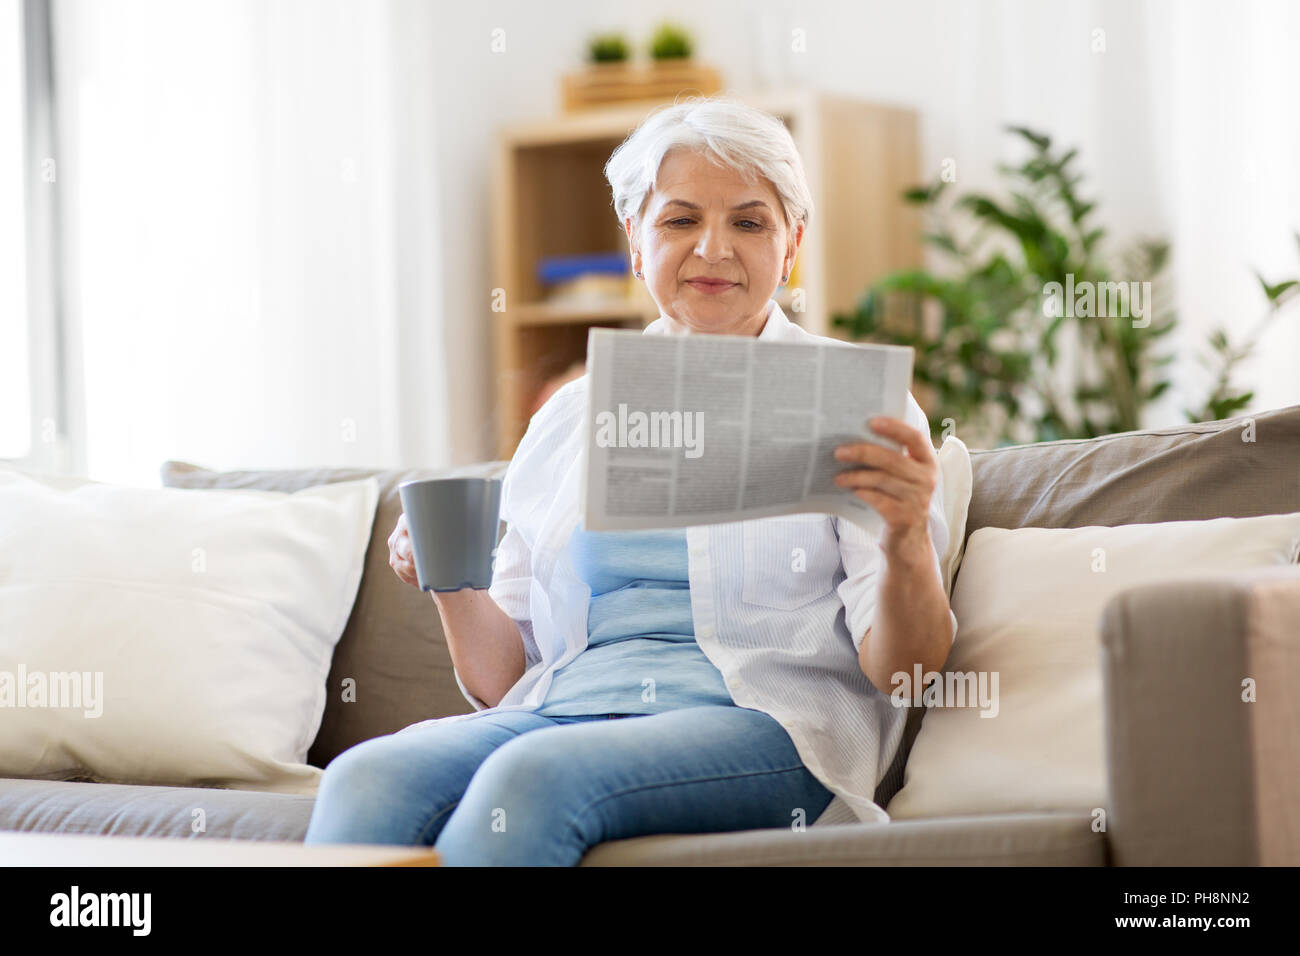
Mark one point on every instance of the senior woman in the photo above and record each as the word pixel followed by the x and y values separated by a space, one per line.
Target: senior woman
pixel 632 683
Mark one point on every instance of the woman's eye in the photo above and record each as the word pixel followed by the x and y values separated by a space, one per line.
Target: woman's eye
pixel 749 224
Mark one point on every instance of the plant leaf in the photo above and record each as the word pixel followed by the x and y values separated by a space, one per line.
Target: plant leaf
pixel 1040 140
pixel 1275 292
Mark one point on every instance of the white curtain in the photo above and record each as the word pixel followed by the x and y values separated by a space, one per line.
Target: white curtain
pixel 251 240
pixel 15 411
pixel 1225 109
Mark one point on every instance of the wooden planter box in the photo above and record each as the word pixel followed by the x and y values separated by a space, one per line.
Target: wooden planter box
pixel 604 83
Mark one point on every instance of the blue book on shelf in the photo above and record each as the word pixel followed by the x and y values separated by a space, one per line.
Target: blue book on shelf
pixel 561 268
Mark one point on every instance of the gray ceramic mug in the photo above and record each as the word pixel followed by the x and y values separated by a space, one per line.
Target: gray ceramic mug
pixel 453 523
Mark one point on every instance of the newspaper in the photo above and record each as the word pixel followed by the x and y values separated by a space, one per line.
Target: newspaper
pixel 705 429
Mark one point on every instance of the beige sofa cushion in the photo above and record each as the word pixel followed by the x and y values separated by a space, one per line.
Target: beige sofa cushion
pixel 1187 473
pixel 1013 839
pixel 393 646
pixel 61 806
pixel 1027 734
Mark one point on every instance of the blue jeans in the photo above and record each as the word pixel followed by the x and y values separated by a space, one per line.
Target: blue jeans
pixel 517 788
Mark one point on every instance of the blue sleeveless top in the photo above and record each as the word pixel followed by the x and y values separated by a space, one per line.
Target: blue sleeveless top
pixel 641 655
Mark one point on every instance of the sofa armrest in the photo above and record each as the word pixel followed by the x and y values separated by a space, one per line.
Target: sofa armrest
pixel 1198 775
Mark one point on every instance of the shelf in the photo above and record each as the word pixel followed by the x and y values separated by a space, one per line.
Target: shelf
pixel 587 313
pixel 578 313
pixel 616 121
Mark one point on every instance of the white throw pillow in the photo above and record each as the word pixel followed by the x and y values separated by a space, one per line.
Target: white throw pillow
pixel 198 626
pixel 955 469
pixel 1029 603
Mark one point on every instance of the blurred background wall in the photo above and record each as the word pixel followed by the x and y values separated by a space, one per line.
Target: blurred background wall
pixel 277 214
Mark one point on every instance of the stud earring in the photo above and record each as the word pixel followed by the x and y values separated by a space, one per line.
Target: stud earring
pixel 637 274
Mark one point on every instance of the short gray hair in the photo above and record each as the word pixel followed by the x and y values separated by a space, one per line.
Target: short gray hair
pixel 729 132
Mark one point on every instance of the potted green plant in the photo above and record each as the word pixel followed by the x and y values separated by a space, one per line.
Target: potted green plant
pixel 670 44
pixel 607 48
pixel 997 354
pixel 610 78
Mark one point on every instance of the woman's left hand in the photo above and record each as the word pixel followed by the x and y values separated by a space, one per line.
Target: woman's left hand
pixel 898 484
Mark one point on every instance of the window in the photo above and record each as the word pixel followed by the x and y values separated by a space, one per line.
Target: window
pixel 15 377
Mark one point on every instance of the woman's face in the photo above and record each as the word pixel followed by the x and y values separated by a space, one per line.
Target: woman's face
pixel 703 221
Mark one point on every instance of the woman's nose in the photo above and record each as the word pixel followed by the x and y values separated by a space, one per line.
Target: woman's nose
pixel 713 245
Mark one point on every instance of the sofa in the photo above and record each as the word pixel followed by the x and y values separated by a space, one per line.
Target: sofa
pixel 1190 782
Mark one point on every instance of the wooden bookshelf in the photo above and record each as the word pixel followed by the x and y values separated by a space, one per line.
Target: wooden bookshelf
pixel 552 199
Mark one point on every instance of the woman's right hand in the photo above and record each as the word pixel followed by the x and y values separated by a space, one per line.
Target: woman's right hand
pixel 401 558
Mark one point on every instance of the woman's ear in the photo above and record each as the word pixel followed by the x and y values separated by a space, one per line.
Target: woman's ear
pixel 792 248
pixel 634 247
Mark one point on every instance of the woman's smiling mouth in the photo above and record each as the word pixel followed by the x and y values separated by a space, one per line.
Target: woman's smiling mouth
pixel 710 286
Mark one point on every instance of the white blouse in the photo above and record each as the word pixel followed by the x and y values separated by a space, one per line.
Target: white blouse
pixel 785 643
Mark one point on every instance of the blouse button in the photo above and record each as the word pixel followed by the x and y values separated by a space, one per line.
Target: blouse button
pixel 733 682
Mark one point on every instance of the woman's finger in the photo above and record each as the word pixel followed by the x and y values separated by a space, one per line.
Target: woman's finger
pixel 918 445
pixel 887 505
pixel 886 459
pixel 877 481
